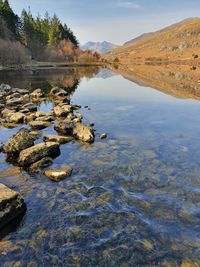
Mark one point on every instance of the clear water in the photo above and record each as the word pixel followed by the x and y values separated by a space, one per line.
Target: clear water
pixel 133 198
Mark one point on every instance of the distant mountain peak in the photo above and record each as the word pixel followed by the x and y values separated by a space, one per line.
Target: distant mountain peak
pixel 100 47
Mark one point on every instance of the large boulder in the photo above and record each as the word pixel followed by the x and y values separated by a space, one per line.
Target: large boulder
pixel 83 132
pixel 38 152
pixel 11 205
pixel 18 142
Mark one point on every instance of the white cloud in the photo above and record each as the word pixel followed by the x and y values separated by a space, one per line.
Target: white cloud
pixel 128 4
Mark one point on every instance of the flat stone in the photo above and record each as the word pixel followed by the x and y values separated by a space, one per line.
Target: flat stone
pixel 58 138
pixel 39 125
pixel 18 142
pixel 11 205
pixel 58 175
pixel 38 152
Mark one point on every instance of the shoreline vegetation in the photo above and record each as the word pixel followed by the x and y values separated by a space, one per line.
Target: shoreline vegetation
pixel 49 65
pixel 26 41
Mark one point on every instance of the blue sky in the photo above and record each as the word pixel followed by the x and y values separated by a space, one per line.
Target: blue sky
pixel 116 21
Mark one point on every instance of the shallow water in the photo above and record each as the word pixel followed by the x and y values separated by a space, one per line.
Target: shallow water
pixel 133 198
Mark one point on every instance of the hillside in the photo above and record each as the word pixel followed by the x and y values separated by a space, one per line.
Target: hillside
pixel 100 47
pixel 176 42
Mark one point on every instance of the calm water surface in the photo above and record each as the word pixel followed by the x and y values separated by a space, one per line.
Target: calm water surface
pixel 133 198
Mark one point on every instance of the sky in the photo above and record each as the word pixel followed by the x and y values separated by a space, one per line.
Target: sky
pixel 116 21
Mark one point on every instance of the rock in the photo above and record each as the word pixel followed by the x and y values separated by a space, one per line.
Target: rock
pixel 83 132
pixel 1 146
pixel 64 127
pixel 20 91
pixel 15 101
pixel 14 95
pixel 58 92
pixel 29 117
pixel 20 141
pixel 30 106
pixel 58 138
pixel 58 175
pixel 47 118
pixel 62 110
pixel 39 125
pixel 5 87
pixel 38 152
pixel 17 117
pixel 37 94
pixel 5 112
pixel 40 114
pixel 35 135
pixel 103 136
pixel 11 205
pixel 76 107
pixel 41 164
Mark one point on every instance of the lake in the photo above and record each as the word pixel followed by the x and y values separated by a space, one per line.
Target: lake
pixel 133 198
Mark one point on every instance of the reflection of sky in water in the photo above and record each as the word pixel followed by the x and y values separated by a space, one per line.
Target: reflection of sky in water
pixel 133 198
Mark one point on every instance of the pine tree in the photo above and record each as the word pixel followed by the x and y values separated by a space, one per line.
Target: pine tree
pixel 10 18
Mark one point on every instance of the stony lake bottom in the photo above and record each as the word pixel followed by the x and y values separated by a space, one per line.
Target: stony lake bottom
pixel 133 199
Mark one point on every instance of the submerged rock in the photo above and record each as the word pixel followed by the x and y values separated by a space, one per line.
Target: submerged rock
pixel 38 152
pixel 41 164
pixel 18 142
pixel 11 205
pixel 58 138
pixel 58 175
pixel 83 132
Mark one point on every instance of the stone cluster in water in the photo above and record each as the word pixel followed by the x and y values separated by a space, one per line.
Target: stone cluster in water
pixel 19 107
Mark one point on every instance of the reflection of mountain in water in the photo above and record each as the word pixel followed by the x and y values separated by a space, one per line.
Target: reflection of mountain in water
pixel 178 80
pixel 105 74
pixel 67 78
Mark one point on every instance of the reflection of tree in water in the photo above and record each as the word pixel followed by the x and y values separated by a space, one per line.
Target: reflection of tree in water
pixel 68 78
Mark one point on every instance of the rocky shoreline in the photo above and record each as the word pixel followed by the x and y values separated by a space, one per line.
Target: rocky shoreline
pixel 19 107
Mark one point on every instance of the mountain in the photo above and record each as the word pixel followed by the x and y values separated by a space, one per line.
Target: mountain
pixel 179 41
pixel 100 47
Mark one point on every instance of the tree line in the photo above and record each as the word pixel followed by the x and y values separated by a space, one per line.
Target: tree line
pixel 38 38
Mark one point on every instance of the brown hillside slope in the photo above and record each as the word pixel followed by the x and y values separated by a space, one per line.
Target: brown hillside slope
pixel 176 42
